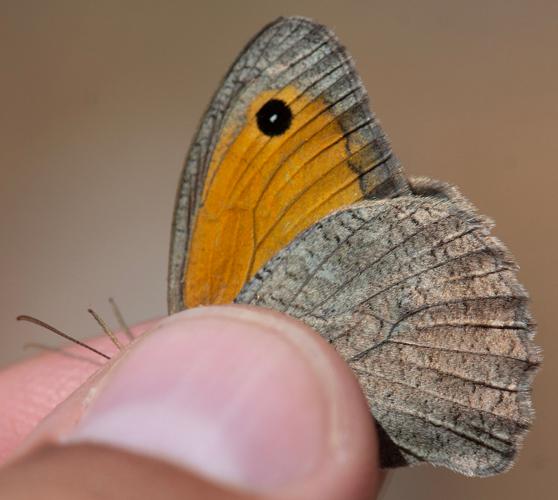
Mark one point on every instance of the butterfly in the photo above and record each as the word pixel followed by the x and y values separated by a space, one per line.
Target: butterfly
pixel 291 198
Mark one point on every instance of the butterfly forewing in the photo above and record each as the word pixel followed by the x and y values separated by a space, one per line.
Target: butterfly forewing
pixel 254 178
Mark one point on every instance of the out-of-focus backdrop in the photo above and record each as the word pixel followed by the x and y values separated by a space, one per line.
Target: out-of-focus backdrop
pixel 99 100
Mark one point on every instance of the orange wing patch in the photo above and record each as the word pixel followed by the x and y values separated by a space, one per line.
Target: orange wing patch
pixel 262 191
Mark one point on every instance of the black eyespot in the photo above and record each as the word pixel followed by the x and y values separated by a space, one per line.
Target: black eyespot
pixel 274 117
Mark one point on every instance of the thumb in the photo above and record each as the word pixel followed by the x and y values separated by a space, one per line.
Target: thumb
pixel 239 398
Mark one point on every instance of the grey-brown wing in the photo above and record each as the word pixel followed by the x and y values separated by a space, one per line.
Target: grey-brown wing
pixel 424 305
pixel 291 51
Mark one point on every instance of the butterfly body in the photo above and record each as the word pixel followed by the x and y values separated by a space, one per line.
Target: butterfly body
pixel 291 198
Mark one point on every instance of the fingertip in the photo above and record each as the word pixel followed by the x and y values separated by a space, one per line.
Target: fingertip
pixel 244 396
pixel 31 389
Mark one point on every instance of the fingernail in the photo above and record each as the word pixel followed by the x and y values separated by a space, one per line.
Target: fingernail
pixel 222 391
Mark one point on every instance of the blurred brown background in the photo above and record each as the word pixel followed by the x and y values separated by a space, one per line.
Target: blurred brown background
pixel 100 99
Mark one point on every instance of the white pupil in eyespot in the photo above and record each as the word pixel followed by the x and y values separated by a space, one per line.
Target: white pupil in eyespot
pixel 273 118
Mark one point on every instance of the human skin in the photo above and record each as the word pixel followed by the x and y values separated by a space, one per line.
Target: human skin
pixel 217 402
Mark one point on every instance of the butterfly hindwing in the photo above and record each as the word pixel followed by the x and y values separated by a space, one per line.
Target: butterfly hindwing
pixel 424 305
pixel 288 138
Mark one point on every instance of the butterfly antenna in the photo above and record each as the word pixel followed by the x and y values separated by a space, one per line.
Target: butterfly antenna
pixel 36 321
pixel 120 318
pixel 106 329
